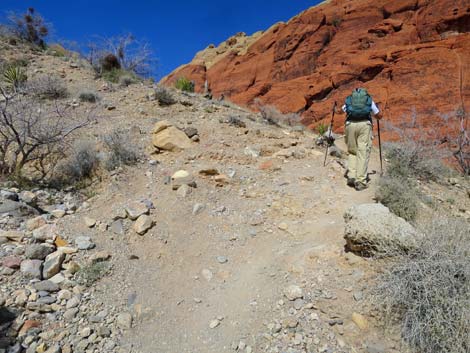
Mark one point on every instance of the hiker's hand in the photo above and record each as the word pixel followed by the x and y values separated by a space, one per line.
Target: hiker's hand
pixel 378 116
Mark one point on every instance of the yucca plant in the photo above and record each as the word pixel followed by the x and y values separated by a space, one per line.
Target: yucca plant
pixel 14 76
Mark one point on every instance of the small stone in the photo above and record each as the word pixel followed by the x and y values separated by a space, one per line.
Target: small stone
pixel 70 314
pixel 143 224
pixel 181 177
pixel 283 226
pixel 46 232
pixel 89 222
pixel 38 251
pixel 12 262
pixel 86 332
pixel 52 264
pixel 293 292
pixel 360 321
pixel 222 259
pixel 214 323
pixel 136 209
pixel 46 286
pixel 84 243
pixel 28 197
pixel 124 320
pixel 73 302
pixel 58 213
pixel 64 294
pixel 117 227
pixel 358 296
pixel 184 191
pixel 32 268
pixel 13 235
pixel 72 267
pixel 34 223
pixel 60 242
pixel 298 304
pixel 198 208
pixel 57 278
pixel 100 256
pixel 28 324
pixel 207 274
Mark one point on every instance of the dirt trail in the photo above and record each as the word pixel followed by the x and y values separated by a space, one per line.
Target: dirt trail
pixel 271 226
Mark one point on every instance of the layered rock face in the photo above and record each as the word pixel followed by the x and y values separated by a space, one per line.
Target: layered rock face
pixel 412 55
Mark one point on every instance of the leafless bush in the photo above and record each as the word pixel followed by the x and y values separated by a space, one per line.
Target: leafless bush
pixel 273 116
pixel 32 133
pixel 30 27
pixel 427 291
pixel 47 87
pixel 81 162
pixel 164 96
pixel 120 152
pixel 424 150
pixel 131 54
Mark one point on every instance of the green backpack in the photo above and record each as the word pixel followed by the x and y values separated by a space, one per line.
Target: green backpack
pixel 359 105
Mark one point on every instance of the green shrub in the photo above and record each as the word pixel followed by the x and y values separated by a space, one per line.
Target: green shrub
pixel 400 195
pixel 88 96
pixel 89 274
pixel 427 291
pixel 322 129
pixel 184 84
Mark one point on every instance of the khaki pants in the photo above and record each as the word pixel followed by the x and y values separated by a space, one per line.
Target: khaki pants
pixel 359 142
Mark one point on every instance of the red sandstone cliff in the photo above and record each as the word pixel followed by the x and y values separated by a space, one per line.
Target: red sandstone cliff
pixel 412 55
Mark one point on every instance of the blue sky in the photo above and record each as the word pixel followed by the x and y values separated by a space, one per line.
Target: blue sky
pixel 175 29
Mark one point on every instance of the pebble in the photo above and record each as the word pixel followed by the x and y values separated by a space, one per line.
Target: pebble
pixel 214 323
pixel 89 222
pixel 293 292
pixel 143 224
pixel 124 320
pixel 84 243
pixel 222 259
pixel 46 286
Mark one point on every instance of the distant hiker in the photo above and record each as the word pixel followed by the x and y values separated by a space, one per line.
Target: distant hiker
pixel 359 108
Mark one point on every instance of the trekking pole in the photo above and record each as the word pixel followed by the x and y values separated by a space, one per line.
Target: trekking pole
pixel 380 148
pixel 329 133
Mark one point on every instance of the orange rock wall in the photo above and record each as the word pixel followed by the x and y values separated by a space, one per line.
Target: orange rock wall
pixel 412 55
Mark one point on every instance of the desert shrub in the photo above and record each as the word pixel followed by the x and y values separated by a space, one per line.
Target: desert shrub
pixel 120 152
pixel 57 50
pixel 184 84
pixel 81 163
pixel 412 159
pixel 400 195
pixel 427 291
pixel 88 96
pixel 121 52
pixel 30 27
pixel 14 76
pixel 164 96
pixel 273 116
pixel 336 22
pixel 89 274
pixel 109 62
pixel 32 134
pixel 124 78
pixel 47 87
pixel 127 79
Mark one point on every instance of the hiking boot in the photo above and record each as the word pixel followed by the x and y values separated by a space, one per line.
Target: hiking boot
pixel 351 182
pixel 360 186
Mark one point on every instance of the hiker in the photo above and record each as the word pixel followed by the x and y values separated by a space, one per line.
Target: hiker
pixel 359 108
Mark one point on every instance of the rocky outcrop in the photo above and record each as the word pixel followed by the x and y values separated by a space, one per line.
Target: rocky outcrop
pixel 412 55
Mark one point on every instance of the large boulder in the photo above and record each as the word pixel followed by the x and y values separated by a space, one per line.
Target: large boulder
pixel 371 229
pixel 169 138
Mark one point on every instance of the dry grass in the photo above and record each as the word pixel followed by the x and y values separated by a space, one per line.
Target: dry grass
pixel 427 291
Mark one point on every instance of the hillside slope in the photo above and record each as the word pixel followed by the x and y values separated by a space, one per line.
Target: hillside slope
pixel 413 56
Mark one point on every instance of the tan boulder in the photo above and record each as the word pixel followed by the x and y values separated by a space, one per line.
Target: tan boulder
pixel 169 138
